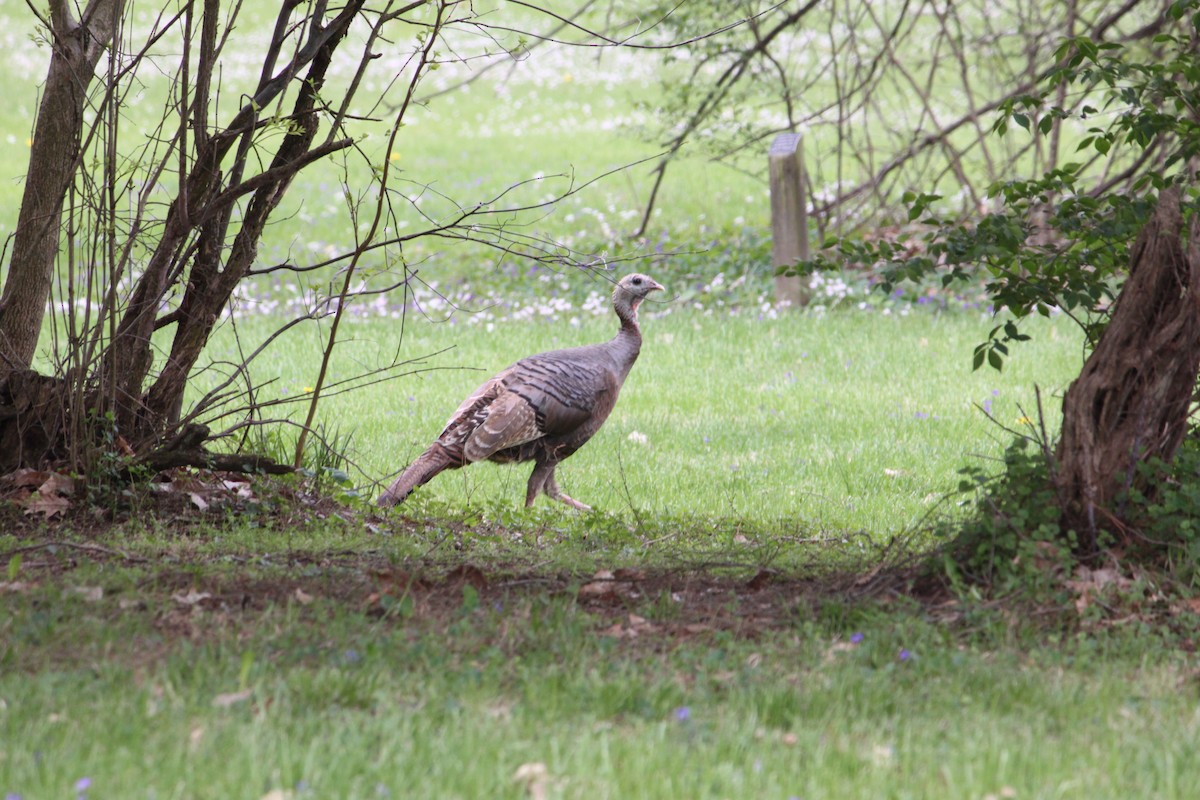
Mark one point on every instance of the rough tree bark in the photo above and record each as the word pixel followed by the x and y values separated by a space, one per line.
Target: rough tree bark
pixel 1131 402
pixel 77 46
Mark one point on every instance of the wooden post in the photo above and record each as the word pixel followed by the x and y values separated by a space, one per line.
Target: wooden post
pixel 789 216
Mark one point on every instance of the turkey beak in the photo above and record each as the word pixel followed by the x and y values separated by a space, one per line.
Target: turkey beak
pixel 655 286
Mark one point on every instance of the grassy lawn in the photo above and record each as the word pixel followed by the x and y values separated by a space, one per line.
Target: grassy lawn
pixel 840 422
pixel 716 628
pixel 286 647
pixel 316 665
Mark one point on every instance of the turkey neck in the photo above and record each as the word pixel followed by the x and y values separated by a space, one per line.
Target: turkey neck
pixel 628 341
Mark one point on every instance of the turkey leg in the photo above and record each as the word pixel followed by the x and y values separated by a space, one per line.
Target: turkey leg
pixel 542 480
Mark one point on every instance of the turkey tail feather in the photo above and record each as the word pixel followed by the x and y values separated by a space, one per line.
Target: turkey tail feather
pixel 418 473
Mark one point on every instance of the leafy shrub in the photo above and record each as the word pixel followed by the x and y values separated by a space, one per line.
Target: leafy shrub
pixel 1014 534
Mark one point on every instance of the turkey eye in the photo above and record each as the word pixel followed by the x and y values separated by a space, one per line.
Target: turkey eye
pixel 637 281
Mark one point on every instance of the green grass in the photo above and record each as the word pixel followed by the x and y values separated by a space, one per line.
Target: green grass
pixel 840 422
pixel 244 694
pixel 555 127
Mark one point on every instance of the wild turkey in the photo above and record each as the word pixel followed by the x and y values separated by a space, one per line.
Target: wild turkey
pixel 542 409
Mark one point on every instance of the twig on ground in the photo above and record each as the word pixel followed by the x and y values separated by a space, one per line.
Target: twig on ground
pixel 94 548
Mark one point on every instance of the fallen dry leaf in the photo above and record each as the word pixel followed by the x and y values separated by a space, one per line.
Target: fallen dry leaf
pixel 1006 792
pixel 535 777
pixel 838 648
pixel 630 574
pixel 616 631
pixel 634 627
pixel 93 594
pixel 606 585
pixel 47 505
pixel 1192 604
pixel 28 477
pixel 227 699
pixel 1088 583
pixel 240 488
pixel 191 598
pixel 57 483
pixel 195 736
pixel 882 755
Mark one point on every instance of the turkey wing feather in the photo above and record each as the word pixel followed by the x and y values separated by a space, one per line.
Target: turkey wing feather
pixel 508 422
pixel 566 392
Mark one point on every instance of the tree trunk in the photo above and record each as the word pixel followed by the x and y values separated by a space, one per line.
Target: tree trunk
pixel 32 420
pixel 53 159
pixel 1130 403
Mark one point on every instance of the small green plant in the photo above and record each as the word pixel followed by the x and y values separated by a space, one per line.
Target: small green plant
pixel 1014 535
pixel 326 458
pixel 111 482
pixel 1166 514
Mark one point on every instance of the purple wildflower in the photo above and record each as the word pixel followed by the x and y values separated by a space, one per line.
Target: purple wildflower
pixel 856 638
pixel 683 714
pixel 905 655
pixel 83 784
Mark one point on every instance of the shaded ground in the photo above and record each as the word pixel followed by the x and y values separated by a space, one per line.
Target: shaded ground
pixel 225 589
pixel 182 583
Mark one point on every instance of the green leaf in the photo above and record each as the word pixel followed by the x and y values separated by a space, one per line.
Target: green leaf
pixel 995 360
pixel 1021 120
